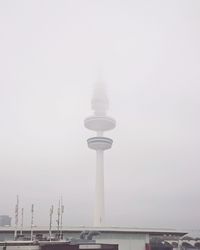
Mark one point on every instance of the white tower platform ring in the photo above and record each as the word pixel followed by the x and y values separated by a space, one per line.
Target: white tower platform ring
pixel 100 123
pixel 99 143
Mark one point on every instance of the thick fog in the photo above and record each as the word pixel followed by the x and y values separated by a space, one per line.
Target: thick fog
pixel 148 53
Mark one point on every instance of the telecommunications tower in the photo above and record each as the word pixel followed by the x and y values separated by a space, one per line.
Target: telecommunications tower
pixel 99 122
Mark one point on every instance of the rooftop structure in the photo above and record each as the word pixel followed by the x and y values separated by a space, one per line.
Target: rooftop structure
pixel 78 229
pixel 5 220
pixel 126 238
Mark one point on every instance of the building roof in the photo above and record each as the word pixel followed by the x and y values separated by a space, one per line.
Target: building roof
pixel 151 231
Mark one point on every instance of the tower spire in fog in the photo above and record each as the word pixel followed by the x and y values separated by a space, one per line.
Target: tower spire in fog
pixel 99 122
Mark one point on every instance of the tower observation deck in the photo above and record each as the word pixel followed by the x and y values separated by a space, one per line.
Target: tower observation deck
pixel 99 122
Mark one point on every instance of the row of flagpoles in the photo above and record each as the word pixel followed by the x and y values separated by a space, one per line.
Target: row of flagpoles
pixel 59 220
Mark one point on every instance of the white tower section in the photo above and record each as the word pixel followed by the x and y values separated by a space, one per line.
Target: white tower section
pixel 100 123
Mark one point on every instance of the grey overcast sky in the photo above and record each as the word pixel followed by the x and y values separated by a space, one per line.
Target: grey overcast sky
pixel 149 53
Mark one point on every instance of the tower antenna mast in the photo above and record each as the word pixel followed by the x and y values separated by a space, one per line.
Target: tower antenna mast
pixel 22 220
pixel 58 220
pixel 50 222
pixel 32 213
pixel 61 217
pixel 16 217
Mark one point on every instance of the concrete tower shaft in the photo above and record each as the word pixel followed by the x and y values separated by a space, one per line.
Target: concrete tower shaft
pixel 99 122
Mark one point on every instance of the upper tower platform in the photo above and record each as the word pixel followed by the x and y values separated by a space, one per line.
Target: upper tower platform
pixel 100 122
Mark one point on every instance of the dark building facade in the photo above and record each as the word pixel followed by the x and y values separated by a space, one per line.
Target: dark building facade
pixel 64 246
